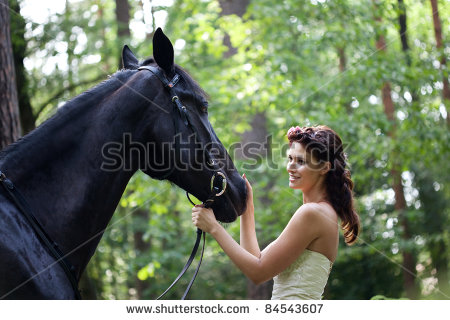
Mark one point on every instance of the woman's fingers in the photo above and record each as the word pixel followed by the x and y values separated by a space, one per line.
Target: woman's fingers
pixel 203 218
pixel 247 183
pixel 250 191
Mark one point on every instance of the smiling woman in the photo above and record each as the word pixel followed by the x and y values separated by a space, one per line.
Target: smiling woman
pixel 301 258
pixel 323 161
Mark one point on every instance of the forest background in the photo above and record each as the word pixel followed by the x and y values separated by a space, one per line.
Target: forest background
pixel 373 70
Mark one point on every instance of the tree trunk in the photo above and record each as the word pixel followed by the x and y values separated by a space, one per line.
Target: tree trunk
pixel 19 45
pixel 439 260
pixel 345 99
pixel 229 7
pixel 123 18
pixel 402 22
pixel 408 258
pixel 409 263
pixel 440 47
pixel 123 23
pixel 403 32
pixel 9 109
pixel 342 59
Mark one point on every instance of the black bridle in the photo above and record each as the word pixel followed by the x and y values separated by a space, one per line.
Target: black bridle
pixel 218 187
pixel 218 180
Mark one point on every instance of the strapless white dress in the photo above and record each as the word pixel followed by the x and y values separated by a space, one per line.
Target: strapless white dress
pixel 304 279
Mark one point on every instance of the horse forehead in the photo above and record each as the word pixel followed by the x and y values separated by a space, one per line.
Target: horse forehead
pixel 185 88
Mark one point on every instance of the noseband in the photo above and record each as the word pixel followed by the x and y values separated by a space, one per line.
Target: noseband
pixel 218 179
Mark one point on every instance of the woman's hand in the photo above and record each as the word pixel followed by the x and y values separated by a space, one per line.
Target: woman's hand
pixel 203 218
pixel 250 206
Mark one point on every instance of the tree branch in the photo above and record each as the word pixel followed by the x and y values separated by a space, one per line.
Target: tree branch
pixel 67 88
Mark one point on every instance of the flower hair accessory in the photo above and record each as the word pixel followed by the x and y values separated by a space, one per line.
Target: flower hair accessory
pixel 304 134
pixel 294 130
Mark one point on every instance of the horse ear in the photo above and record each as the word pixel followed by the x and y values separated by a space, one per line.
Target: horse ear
pixel 129 60
pixel 163 51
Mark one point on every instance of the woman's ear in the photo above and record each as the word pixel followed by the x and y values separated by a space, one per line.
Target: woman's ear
pixel 326 168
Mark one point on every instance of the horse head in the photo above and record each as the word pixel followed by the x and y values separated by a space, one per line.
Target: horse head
pixel 174 138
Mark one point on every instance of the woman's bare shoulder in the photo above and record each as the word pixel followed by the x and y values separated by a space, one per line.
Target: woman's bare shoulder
pixel 307 213
pixel 318 211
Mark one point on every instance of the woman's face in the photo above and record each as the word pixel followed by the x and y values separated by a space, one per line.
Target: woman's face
pixel 304 170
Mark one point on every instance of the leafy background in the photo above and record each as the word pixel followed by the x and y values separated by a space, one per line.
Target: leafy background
pixel 294 63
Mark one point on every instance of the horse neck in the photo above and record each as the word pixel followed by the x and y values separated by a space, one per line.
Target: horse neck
pixel 58 170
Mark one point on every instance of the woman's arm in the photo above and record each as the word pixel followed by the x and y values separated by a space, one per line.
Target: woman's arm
pixel 248 238
pixel 303 228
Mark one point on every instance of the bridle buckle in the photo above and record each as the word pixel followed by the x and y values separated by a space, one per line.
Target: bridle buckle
pixel 224 184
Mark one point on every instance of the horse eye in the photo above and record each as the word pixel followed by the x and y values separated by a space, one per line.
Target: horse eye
pixel 204 109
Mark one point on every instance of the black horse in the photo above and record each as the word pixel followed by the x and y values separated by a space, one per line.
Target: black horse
pixel 73 169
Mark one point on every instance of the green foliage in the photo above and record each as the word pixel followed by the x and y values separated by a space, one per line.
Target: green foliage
pixel 290 65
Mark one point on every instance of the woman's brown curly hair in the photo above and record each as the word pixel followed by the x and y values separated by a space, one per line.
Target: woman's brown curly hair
pixel 325 145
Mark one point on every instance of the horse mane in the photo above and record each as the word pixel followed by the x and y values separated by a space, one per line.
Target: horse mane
pixel 70 110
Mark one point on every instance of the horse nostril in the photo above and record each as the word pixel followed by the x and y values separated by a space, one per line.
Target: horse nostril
pixel 211 162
